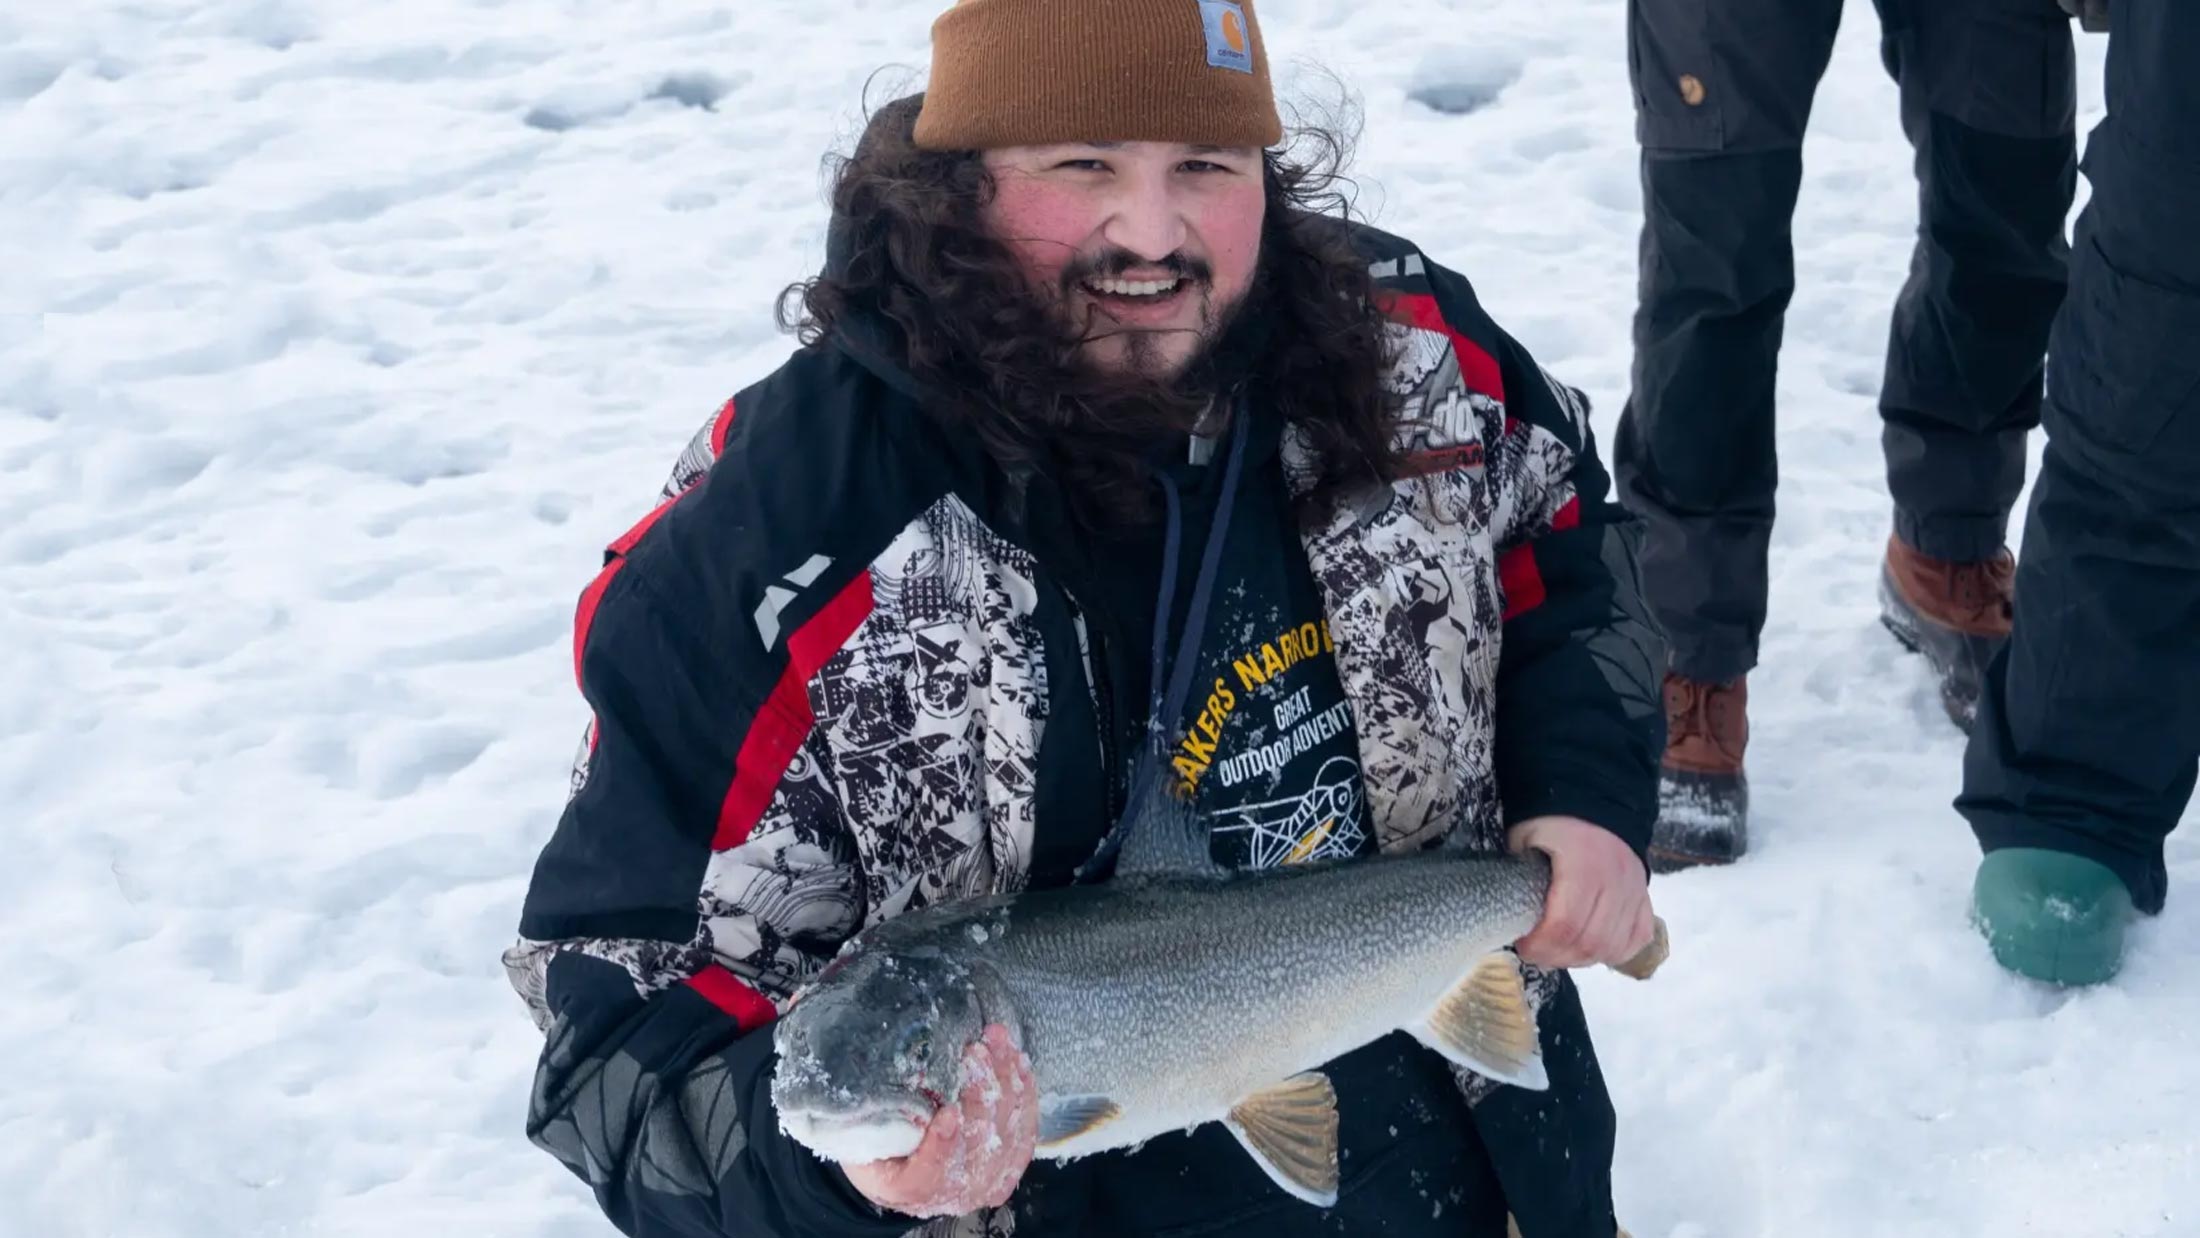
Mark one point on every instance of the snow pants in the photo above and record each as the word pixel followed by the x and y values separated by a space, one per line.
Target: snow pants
pixel 1723 89
pixel 2088 735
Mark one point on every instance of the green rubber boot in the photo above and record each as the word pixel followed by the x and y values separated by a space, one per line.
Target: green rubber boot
pixel 2051 915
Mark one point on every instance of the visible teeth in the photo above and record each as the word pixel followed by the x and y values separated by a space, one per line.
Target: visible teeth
pixel 1133 287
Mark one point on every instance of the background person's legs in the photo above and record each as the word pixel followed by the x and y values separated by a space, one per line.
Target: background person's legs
pixel 1723 92
pixel 1989 103
pixel 2089 732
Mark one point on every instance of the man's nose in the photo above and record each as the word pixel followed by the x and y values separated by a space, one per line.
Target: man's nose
pixel 1147 221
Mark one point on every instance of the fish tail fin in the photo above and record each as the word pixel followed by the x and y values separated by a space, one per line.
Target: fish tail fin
pixel 1651 957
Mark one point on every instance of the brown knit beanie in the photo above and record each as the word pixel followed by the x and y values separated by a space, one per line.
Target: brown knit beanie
pixel 1032 72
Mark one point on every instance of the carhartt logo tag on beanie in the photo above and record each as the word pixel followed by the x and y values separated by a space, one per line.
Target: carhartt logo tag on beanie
pixel 1227 44
pixel 1032 72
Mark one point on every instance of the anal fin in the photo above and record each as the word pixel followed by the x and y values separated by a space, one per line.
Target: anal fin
pixel 1486 1025
pixel 1064 1118
pixel 1290 1130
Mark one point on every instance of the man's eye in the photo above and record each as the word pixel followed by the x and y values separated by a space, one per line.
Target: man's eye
pixel 1202 165
pixel 1083 165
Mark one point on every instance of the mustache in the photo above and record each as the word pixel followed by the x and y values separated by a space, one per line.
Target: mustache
pixel 1113 262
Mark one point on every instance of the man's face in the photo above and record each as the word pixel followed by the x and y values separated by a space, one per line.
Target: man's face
pixel 1146 246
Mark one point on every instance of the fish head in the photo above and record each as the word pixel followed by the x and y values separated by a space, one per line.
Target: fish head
pixel 872 1049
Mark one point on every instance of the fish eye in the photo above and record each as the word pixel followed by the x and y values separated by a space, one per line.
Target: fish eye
pixel 916 1041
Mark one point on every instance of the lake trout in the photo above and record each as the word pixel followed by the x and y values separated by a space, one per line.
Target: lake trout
pixel 1178 993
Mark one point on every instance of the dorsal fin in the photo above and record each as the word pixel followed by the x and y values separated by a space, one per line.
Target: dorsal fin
pixel 1160 833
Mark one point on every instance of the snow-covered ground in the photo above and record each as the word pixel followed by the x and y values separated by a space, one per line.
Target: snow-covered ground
pixel 336 339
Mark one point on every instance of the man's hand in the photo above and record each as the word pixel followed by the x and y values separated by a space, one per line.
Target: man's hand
pixel 975 1151
pixel 1598 910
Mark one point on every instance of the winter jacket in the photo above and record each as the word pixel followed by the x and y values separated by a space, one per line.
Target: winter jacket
pixel 847 669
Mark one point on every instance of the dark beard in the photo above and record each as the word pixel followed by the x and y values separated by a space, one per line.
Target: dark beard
pixel 1139 412
pixel 1022 383
pixel 1141 357
pixel 1085 434
pixel 1227 355
pixel 1141 346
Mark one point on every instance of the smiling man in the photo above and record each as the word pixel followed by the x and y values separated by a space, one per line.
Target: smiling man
pixel 1108 437
pixel 1056 208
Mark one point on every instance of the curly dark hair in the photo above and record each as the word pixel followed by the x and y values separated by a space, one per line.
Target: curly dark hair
pixel 912 260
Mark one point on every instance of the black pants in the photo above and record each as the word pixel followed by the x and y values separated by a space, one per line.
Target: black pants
pixel 2089 732
pixel 1723 91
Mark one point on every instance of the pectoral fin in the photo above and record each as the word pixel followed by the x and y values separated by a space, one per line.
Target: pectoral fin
pixel 1486 1025
pixel 1065 1118
pixel 1291 1132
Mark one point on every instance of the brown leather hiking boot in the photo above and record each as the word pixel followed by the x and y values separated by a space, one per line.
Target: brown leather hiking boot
pixel 1703 795
pixel 1956 614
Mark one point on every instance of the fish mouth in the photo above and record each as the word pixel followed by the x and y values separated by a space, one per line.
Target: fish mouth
pixel 853 1138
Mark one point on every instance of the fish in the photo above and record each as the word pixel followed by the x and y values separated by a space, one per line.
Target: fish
pixel 1175 994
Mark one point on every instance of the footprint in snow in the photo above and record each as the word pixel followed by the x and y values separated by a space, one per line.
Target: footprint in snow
pixel 1461 80
pixel 402 764
pixel 574 108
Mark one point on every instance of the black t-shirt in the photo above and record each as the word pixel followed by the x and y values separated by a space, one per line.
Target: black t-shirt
pixel 1264 745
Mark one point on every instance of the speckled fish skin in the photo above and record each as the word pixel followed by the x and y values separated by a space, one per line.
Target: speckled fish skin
pixel 1172 996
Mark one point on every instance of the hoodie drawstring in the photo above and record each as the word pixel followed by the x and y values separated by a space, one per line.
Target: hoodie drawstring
pixel 1170 679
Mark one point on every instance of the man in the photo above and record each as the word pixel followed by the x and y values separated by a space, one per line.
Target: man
pixel 2088 736
pixel 1723 90
pixel 1096 427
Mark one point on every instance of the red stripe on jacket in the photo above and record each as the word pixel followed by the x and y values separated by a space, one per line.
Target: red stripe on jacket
pixel 1477 368
pixel 719 429
pixel 1517 572
pixel 786 718
pixel 614 561
pixel 723 989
